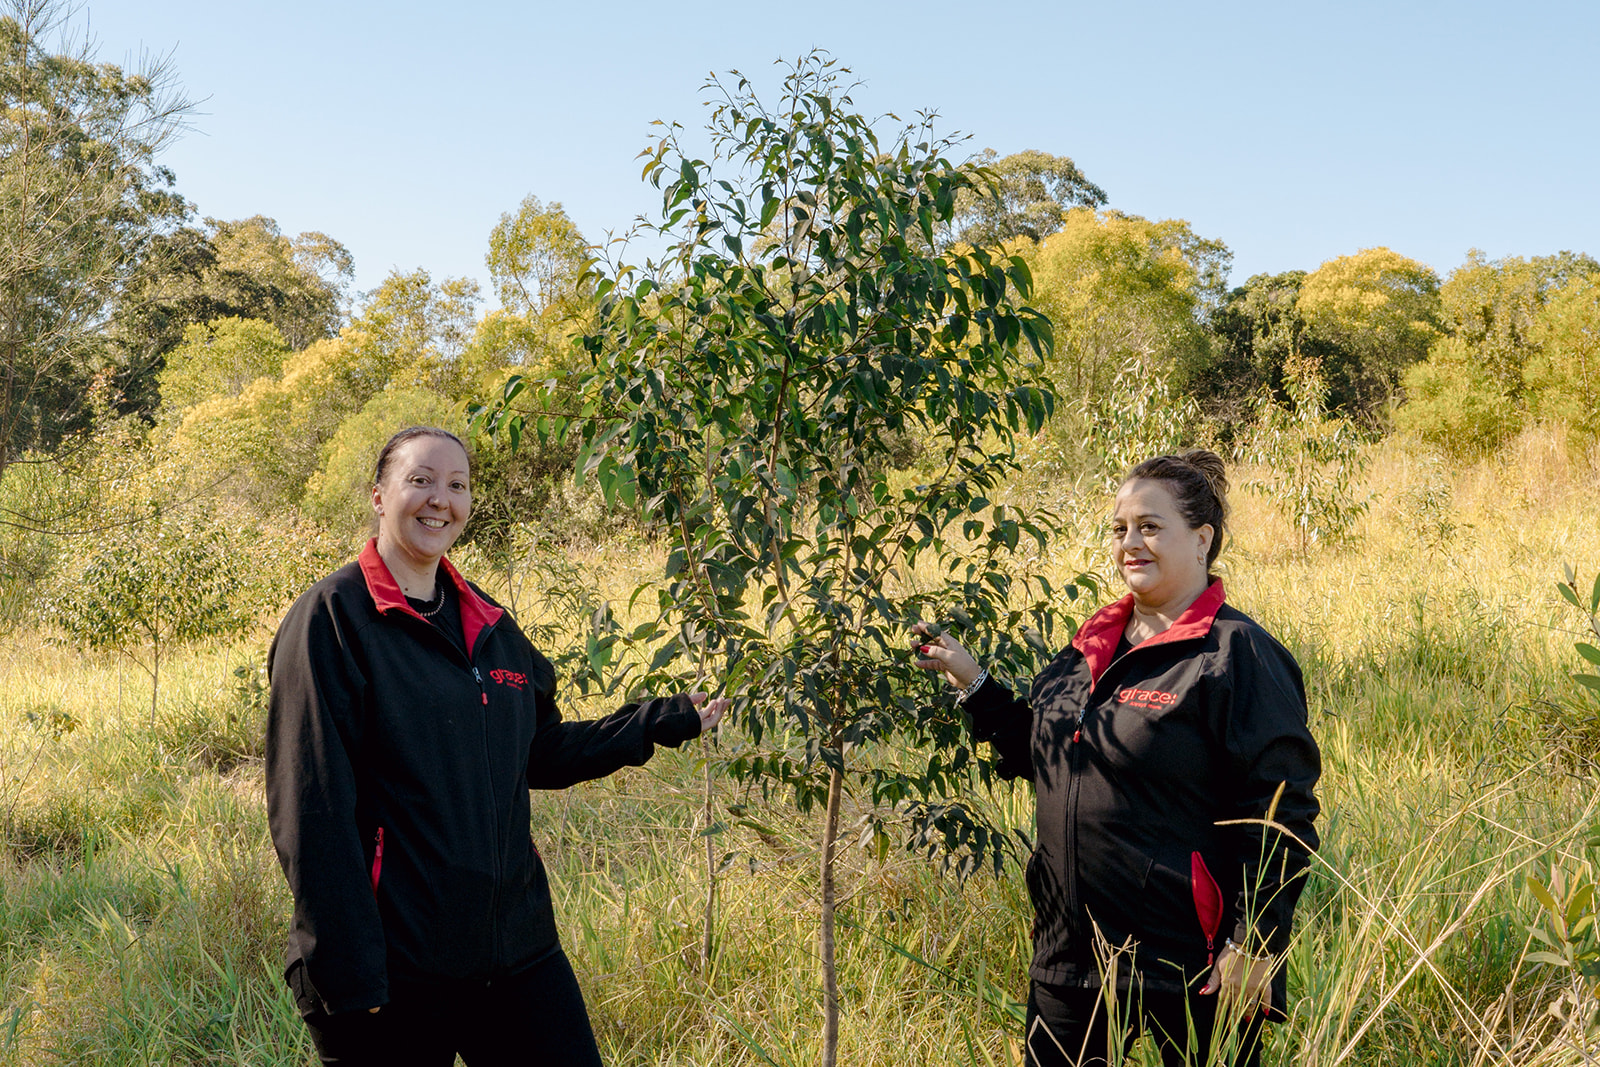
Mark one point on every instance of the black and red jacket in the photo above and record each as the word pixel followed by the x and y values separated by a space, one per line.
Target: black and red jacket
pixel 398 770
pixel 1139 763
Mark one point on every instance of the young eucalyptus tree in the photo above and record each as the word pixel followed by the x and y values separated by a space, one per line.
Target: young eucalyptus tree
pixel 152 587
pixel 753 393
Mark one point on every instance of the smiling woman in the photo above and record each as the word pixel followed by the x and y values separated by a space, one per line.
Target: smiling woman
pixel 422 498
pixel 1160 744
pixel 409 718
pixel 1161 556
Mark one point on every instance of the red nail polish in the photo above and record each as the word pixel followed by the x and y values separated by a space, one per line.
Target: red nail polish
pixel 923 649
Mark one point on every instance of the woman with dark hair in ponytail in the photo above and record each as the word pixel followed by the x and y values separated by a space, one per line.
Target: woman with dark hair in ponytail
pixel 1173 767
pixel 409 718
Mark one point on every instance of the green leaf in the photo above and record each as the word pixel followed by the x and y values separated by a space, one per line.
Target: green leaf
pixel 1590 681
pixel 1569 596
pixel 1547 957
pixel 1588 652
pixel 1542 895
pixel 1579 903
pixel 664 655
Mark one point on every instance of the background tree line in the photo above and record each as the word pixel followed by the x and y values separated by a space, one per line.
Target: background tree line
pixel 151 356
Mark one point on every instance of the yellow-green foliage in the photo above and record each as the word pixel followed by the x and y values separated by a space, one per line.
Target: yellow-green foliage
pixel 304 275
pixel 1453 402
pixel 143 915
pixel 1380 310
pixel 1564 377
pixel 273 434
pixel 220 358
pixel 270 435
pixel 1490 307
pixel 1521 341
pixel 1121 289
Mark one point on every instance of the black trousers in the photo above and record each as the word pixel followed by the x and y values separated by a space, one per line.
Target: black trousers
pixel 534 1019
pixel 1075 1028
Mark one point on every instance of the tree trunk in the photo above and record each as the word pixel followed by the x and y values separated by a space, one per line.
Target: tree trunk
pixel 707 942
pixel 155 681
pixel 511 585
pixel 830 970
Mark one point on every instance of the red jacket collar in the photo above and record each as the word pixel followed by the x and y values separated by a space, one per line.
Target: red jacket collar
pixel 1097 639
pixel 477 614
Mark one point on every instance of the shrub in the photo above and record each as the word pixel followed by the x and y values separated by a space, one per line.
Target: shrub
pixel 1574 725
pixel 1454 403
pixel 1563 379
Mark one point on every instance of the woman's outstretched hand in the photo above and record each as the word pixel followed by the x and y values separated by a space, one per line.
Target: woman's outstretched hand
pixel 943 653
pixel 710 710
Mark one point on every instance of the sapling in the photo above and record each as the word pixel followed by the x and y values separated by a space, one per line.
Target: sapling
pixel 752 393
pixel 149 588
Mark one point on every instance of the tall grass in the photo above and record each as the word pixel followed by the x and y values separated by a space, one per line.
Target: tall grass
pixel 142 913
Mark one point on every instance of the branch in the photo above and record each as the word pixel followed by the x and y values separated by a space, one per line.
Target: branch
pixel 29 524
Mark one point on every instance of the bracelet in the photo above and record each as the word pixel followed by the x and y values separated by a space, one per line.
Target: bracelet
pixel 1238 950
pixel 977 683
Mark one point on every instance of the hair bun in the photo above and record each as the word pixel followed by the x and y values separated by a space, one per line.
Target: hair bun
pixel 1210 465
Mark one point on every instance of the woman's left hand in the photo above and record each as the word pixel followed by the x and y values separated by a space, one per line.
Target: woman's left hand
pixel 944 654
pixel 710 710
pixel 1242 985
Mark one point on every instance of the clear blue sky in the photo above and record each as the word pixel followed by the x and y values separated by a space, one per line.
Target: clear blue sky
pixel 1294 132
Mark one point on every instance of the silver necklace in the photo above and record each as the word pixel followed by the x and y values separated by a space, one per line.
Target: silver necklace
pixel 438 590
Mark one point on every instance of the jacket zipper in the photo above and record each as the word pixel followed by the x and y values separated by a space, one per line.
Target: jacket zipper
pixel 1074 783
pixel 499 832
pixel 1074 780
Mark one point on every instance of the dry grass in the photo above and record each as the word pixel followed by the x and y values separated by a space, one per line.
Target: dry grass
pixel 142 911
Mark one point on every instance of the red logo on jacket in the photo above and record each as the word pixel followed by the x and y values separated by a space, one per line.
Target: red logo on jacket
pixel 1153 699
pixel 515 679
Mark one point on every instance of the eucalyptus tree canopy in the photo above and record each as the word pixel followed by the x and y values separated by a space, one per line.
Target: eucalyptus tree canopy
pixel 1368 317
pixel 81 197
pixel 1256 331
pixel 1492 306
pixel 1125 291
pixel 241 269
pixel 535 256
pixel 1495 360
pixel 1027 194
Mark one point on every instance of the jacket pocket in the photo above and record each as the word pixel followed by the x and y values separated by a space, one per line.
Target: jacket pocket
pixel 1172 917
pixel 1208 904
pixel 1115 890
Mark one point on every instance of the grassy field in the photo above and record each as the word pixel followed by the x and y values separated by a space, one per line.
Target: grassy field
pixel 143 912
